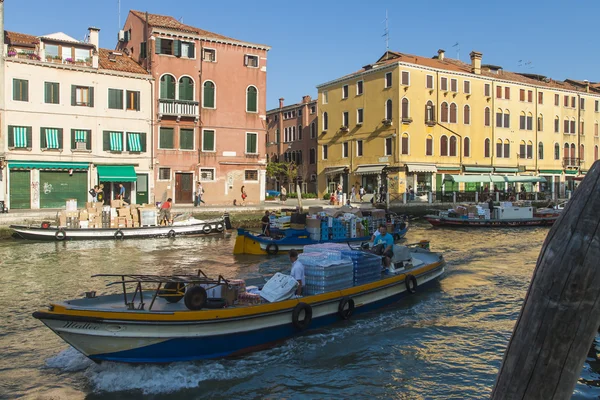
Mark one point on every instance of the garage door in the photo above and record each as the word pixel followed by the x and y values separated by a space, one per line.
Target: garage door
pixel 20 189
pixel 57 187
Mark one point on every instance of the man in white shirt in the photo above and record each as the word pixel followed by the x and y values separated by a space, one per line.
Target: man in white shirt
pixel 297 271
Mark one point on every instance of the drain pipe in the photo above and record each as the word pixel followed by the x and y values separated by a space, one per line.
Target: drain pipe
pixel 3 165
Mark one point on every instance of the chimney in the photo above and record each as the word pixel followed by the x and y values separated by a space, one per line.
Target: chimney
pixel 441 54
pixel 587 85
pixel 306 99
pixel 94 36
pixel 476 62
pixel 281 102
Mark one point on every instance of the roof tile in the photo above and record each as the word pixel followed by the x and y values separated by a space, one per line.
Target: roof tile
pixel 121 63
pixel 165 21
pixel 15 38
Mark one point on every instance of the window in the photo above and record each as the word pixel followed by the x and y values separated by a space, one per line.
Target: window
pixel 115 99
pixel 487 117
pixel 207 174
pixel 540 123
pixel 186 88
pixel 573 102
pixel 388 109
pixel 453 146
pixel 467 115
pixel 487 90
pixel 345 118
pixel 133 100
pixel 388 146
pixel 164 174
pixel 566 101
pixel 112 141
pixel 454 85
pixel 540 97
pixel 429 116
pixel 313 130
pixel 522 95
pixel 596 129
pixel 186 139
pixel 143 50
pixel 359 148
pixel 597 105
pixel 444 84
pixel 405 109
pixel 581 127
pixel 429 81
pixel 429 145
pixel 345 150
pixel 81 139
pixel 299 132
pixel 596 153
pixel 405 78
pixel 359 116
pixel 507 93
pixel 388 79
pixel 522 151
pixel 556 124
pixel 529 150
pixel 522 121
pixel 187 50
pixel 136 142
pixel 325 121
pixel 573 126
pixel 444 112
pixel 499 118
pixel 444 145
pixel 467 147
pixel 251 143
pixel 486 148
pixel 467 87
pixel 566 126
pixel 529 122
pixel 251 175
pixel 530 96
pixel 166 140
pixel 556 99
pixel 324 152
pixel 51 93
pixel 313 109
pixel 20 90
pixel 82 96
pixel 404 144
pixel 359 88
pixel 293 129
pixel 345 92
pixel 209 55
pixel 312 159
pixel 498 92
pixel 165 46
pixel 325 97
pixel 167 87
pixel 582 103
pixel 251 61
pixel 453 112
pixel 506 148
pixel 499 148
pixel 582 152
pixel 208 95
pixel 506 119
pixel 51 138
pixel 51 50
pixel 540 150
pixel 251 99
pixel 556 151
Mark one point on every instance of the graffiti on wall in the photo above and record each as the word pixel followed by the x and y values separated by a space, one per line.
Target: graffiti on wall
pixel 47 188
pixel 35 192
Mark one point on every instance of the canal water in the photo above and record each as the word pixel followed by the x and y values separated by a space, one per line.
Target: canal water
pixel 444 342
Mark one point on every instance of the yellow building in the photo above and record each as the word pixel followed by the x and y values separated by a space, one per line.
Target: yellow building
pixel 412 121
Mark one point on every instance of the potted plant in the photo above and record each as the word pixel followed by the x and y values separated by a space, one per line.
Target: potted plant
pixel 33 56
pixel 11 53
pixel 57 59
pixel 69 60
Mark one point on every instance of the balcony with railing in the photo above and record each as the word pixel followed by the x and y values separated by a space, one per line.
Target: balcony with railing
pixel 177 108
pixel 571 162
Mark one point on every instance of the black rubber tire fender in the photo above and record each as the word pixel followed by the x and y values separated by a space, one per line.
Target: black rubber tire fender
pixel 272 249
pixel 215 303
pixel 119 235
pixel 60 235
pixel 410 288
pixel 220 227
pixel 172 290
pixel 195 298
pixel 207 229
pixel 343 312
pixel 303 324
pixel 171 234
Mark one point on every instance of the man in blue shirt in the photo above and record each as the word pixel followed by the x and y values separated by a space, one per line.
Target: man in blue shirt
pixel 383 244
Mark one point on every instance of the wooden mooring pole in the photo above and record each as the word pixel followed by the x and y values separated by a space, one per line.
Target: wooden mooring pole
pixel 561 313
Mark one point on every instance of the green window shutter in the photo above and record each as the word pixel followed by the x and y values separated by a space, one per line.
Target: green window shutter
pixel 136 96
pixel 72 139
pixel 143 141
pixel 182 89
pixel 209 95
pixel 171 88
pixel 208 141
pixel 16 95
pixel 251 99
pixel 166 138
pixel 106 141
pixel 191 51
pixel 11 136
pixel 47 92
pixel 157 48
pixel 88 140
pixel 163 87
pixel 177 48
pixel 186 139
pixel 143 50
pixel 250 143
pixel 91 100
pixel 73 95
pixel 128 100
pixel 60 138
pixel 29 141
pixel 25 88
pixel 43 142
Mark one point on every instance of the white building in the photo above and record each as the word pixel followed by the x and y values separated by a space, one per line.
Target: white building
pixel 74 116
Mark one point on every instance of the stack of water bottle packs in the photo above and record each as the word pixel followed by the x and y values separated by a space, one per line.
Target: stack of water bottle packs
pixel 333 228
pixel 366 266
pixel 326 270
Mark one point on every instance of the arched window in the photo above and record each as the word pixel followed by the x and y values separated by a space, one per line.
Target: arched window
pixel 529 121
pixel 388 109
pixel 325 121
pixel 404 143
pixel 444 145
pixel 573 127
pixel 596 153
pixel 312 156
pixel 566 126
pixel 251 99
pixel 596 128
pixel 540 150
pixel 186 88
pixel 581 126
pixel 299 157
pixel 499 148
pixel 522 120
pixel 208 96
pixel 452 146
pixel 529 149
pixel 467 147
pixel 444 112
pixel 429 115
pixel 429 146
pixel 486 117
pixel 573 156
pixel 486 148
pixel 405 108
pixel 556 124
pixel 522 150
pixel 313 130
pixel 581 152
pixel 540 123
pixel 506 119
pixel 556 151
pixel 467 115
pixel 167 87
pixel 499 118
pixel 506 148
pixel 453 112
pixel 566 152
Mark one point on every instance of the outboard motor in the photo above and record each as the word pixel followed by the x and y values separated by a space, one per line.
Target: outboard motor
pixel 227 221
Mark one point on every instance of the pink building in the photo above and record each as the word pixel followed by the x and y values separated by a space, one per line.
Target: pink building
pixel 210 108
pixel 292 136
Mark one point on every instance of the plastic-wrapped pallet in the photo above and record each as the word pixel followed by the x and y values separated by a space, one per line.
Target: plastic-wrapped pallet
pixel 325 269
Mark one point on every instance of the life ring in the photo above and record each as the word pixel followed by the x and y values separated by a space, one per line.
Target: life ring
pixel 305 322
pixel 195 298
pixel 119 235
pixel 346 307
pixel 272 249
pixel 60 235
pixel 172 292
pixel 410 288
pixel 215 303
pixel 206 228
pixel 171 234
pixel 220 227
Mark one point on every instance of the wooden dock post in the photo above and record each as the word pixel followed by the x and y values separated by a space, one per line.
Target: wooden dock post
pixel 561 312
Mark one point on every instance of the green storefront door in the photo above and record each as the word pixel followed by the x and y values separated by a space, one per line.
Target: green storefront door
pixel 57 187
pixel 20 189
pixel 141 192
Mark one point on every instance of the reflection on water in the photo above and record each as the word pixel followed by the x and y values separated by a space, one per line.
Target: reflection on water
pixel 444 342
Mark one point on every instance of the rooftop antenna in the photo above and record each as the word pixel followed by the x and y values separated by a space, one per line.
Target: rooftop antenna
pixel 181 20
pixel 386 34
pixel 457 50
pixel 119 12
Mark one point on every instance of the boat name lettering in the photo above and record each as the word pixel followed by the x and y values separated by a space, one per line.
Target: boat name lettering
pixel 80 325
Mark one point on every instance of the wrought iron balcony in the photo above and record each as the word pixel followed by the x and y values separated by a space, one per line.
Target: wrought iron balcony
pixel 571 162
pixel 177 108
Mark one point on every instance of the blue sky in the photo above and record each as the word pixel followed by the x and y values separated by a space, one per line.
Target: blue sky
pixel 315 41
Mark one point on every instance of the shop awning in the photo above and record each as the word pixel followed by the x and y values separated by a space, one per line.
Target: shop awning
pixel 116 173
pixel 571 171
pixel 524 179
pixel 498 178
pixel 47 165
pixel 369 169
pixel 421 168
pixel 448 168
pixel 479 169
pixel 551 171
pixel 468 178
pixel 506 170
pixel 334 170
